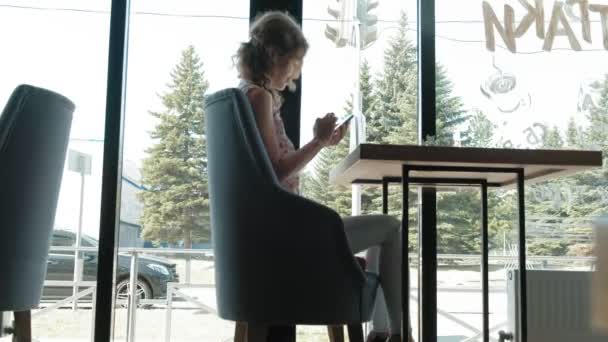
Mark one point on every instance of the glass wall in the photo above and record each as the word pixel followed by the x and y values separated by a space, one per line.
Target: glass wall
pixel 42 47
pixel 386 67
pixel 540 84
pixel 178 52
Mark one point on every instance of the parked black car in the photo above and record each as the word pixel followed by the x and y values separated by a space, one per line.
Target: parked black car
pixel 153 272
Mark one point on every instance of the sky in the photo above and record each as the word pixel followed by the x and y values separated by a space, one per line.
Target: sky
pixel 66 51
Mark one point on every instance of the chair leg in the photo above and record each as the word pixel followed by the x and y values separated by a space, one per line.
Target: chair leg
pixel 355 333
pixel 256 332
pixel 23 326
pixel 240 332
pixel 336 333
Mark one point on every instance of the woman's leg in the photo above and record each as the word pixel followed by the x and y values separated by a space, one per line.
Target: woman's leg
pixel 380 317
pixel 364 232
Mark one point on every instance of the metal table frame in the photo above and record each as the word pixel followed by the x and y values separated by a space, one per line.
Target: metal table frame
pixel 430 244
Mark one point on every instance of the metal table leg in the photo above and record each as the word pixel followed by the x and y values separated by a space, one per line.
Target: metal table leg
pixel 523 312
pixel 385 196
pixel 428 234
pixel 405 269
pixel 484 262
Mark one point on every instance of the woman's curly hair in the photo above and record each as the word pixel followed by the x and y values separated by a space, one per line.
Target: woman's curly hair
pixel 274 38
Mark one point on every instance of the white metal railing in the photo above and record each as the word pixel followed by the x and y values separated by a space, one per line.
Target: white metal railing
pixel 174 290
pixel 92 290
pixel 133 301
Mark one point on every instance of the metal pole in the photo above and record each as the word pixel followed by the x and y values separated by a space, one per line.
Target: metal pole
pixel 168 313
pixel 133 298
pixel 357 133
pixel 188 268
pixel 484 262
pixel 78 261
pixel 357 101
pixel 93 313
pixel 356 199
pixel 405 264
pixel 504 243
pixel 523 297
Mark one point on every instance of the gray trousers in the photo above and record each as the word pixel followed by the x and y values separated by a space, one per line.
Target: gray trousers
pixel 380 235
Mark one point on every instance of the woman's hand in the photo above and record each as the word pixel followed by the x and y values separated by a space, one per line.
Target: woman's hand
pixel 323 130
pixel 338 134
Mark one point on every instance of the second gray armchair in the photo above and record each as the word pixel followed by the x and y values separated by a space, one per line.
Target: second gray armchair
pixel 34 131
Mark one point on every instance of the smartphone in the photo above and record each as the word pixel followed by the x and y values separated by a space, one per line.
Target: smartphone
pixel 344 120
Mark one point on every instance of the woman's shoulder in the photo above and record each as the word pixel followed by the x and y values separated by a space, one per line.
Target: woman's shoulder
pixel 254 90
pixel 246 86
pixel 260 99
pixel 259 95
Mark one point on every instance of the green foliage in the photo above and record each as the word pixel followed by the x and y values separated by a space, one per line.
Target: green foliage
pixel 552 139
pixel 480 131
pixel 392 117
pixel 389 104
pixel 548 248
pixel 581 250
pixel 317 185
pixel 176 206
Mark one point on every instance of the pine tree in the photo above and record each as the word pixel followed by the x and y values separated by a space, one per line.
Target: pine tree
pixel 597 132
pixel 450 112
pixel 394 118
pixel 176 206
pixel 582 195
pixel 574 135
pixel 390 107
pixel 318 186
pixel 480 131
pixel 393 115
pixel 458 222
pixel 552 139
pixel 594 202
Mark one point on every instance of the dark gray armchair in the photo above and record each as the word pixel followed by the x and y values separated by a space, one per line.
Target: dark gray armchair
pixel 34 132
pixel 280 259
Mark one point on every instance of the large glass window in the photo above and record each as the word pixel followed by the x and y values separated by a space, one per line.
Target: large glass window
pixel 540 83
pixel 62 45
pixel 382 73
pixel 179 51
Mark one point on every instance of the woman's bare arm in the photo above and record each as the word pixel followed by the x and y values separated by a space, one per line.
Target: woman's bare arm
pixel 291 163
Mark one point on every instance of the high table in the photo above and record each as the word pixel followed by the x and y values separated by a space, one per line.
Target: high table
pixel 431 166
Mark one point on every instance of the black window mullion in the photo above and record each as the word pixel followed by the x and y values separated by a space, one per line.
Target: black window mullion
pixel 110 188
pixel 291 109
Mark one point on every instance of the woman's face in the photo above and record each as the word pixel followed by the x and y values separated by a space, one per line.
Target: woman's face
pixel 285 72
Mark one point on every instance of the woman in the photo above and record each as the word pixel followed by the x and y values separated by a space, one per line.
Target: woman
pixel 270 62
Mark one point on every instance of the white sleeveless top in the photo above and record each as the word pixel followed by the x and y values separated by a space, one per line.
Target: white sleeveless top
pixel 291 183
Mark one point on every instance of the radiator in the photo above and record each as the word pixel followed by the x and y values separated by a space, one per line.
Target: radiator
pixel 559 306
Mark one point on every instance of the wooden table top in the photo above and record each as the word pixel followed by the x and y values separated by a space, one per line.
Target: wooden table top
pixel 371 162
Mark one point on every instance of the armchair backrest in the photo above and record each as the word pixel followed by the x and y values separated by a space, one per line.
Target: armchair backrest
pixel 34 131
